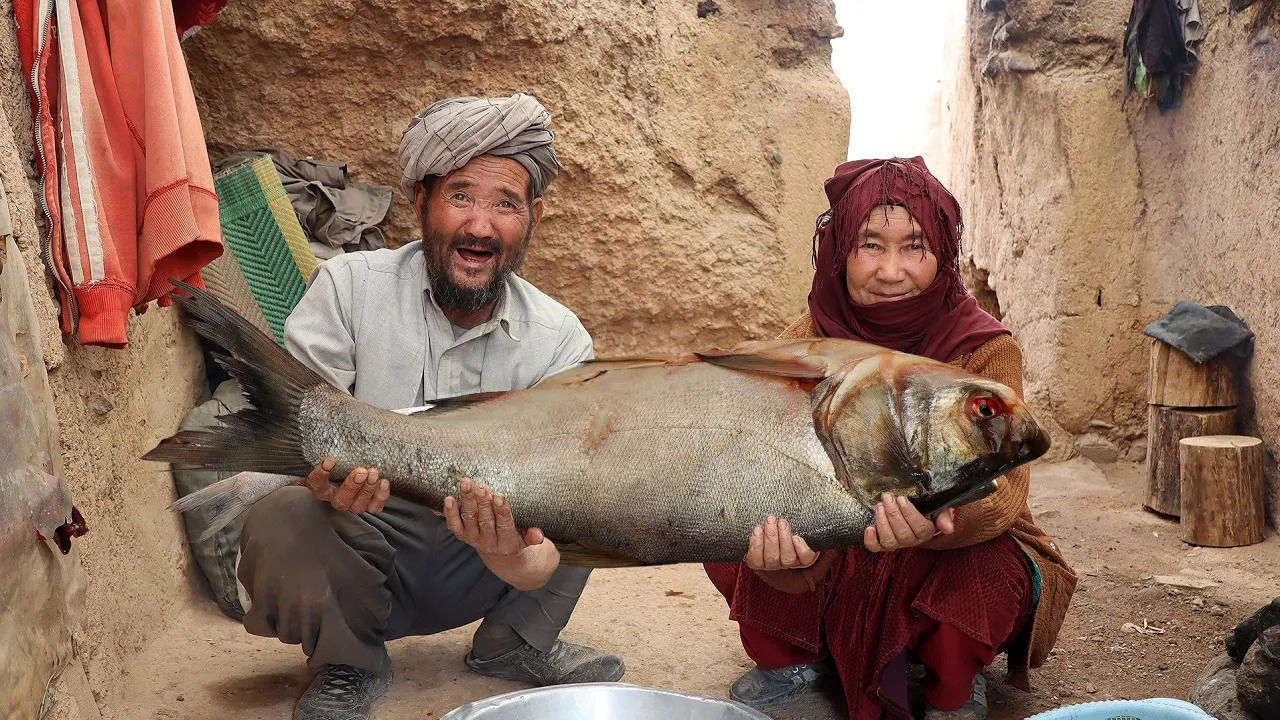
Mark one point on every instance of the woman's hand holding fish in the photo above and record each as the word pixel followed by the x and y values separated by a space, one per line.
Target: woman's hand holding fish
pixel 899 525
pixel 773 547
pixel 484 521
pixel 785 561
pixel 362 491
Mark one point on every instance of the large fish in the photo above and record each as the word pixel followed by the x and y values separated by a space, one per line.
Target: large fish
pixel 641 461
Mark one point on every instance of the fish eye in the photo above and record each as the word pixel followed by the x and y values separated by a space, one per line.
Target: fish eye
pixel 986 406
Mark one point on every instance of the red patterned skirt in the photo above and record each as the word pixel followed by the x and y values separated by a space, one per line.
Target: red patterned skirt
pixel 952 610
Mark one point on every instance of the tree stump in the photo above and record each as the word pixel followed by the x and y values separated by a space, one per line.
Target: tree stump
pixel 1165 427
pixel 1175 380
pixel 1222 490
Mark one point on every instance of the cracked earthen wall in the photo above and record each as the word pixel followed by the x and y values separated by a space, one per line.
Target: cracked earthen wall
pixel 1090 220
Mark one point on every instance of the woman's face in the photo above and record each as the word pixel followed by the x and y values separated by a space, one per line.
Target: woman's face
pixel 892 259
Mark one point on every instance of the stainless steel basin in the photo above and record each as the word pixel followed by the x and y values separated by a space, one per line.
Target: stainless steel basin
pixel 602 701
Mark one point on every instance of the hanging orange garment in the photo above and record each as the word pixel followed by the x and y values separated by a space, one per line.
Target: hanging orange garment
pixel 126 187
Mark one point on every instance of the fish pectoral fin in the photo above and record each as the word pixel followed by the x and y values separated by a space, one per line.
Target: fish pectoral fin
pixel 460 401
pixel 768 363
pixel 587 555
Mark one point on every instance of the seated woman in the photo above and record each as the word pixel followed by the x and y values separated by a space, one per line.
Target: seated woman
pixel 949 596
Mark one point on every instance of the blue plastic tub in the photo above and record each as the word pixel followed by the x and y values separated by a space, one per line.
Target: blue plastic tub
pixel 1153 709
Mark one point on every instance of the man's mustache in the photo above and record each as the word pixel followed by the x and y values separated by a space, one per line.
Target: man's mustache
pixel 467 241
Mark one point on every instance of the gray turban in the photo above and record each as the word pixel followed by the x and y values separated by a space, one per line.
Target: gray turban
pixel 446 135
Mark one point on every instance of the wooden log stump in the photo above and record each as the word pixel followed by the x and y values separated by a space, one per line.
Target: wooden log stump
pixel 1175 380
pixel 1165 427
pixel 1222 490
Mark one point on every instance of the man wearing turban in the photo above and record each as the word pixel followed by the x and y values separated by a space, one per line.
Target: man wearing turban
pixel 439 317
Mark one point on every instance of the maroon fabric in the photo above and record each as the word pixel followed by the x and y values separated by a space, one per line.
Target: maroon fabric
pixel 189 14
pixel 770 653
pixel 944 321
pixel 873 606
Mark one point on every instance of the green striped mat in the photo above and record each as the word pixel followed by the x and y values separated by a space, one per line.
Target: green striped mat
pixel 264 271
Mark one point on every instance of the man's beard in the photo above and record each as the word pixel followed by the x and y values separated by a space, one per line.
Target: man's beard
pixel 438 256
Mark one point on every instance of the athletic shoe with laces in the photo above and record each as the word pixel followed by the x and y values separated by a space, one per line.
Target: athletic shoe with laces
pixel 765 689
pixel 341 692
pixel 564 663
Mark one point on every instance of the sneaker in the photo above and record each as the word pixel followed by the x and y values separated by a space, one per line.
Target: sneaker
pixel 765 689
pixel 341 692
pixel 564 663
pixel 974 709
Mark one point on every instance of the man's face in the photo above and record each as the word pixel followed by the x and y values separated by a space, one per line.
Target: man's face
pixel 476 225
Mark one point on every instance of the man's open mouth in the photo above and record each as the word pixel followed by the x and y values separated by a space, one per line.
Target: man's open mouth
pixel 474 256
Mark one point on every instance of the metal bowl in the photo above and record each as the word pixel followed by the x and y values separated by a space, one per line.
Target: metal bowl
pixel 602 701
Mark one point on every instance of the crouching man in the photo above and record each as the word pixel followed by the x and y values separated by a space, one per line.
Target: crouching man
pixel 340 570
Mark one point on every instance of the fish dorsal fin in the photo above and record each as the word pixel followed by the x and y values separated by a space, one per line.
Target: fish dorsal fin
pixel 812 359
pixel 767 365
pixel 591 369
pixel 587 555
pixel 458 402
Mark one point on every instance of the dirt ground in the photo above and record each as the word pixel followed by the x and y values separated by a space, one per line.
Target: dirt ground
pixel 671 626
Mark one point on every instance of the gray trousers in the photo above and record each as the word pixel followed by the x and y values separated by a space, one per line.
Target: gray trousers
pixel 342 584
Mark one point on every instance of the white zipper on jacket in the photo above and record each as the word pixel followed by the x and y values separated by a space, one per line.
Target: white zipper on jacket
pixel 46 19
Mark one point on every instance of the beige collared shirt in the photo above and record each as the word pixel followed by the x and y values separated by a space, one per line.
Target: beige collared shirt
pixel 369 325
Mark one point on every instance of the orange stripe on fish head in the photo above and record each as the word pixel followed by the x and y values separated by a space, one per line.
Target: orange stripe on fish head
pixel 857 419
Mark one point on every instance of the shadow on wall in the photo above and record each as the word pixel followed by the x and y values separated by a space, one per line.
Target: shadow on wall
pixel 975 279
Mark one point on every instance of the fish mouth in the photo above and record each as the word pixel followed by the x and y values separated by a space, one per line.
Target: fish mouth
pixel 977 479
pixel 931 506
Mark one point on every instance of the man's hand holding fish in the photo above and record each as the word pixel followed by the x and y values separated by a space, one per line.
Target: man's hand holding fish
pixel 484 521
pixel 361 491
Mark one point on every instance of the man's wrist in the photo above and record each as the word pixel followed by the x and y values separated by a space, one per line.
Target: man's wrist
pixel 528 569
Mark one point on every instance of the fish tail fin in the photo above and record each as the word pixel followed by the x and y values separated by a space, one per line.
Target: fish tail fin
pixel 264 437
pixel 230 497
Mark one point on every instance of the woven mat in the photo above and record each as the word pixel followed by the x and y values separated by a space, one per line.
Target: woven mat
pixel 265 269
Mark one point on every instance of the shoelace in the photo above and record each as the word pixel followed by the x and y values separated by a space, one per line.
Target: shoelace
pixel 796 674
pixel 341 682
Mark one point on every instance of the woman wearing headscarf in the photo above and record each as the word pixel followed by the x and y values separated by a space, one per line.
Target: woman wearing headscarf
pixel 948 595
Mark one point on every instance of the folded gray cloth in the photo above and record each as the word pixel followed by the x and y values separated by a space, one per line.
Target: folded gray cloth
pixel 1203 333
pixel 337 215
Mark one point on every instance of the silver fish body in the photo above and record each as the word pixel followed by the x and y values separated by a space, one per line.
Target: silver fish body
pixel 659 463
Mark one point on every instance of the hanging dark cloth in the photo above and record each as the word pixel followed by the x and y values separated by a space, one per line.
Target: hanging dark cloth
pixel 191 15
pixel 1157 61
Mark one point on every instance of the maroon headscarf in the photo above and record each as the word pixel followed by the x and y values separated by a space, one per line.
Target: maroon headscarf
pixel 943 322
